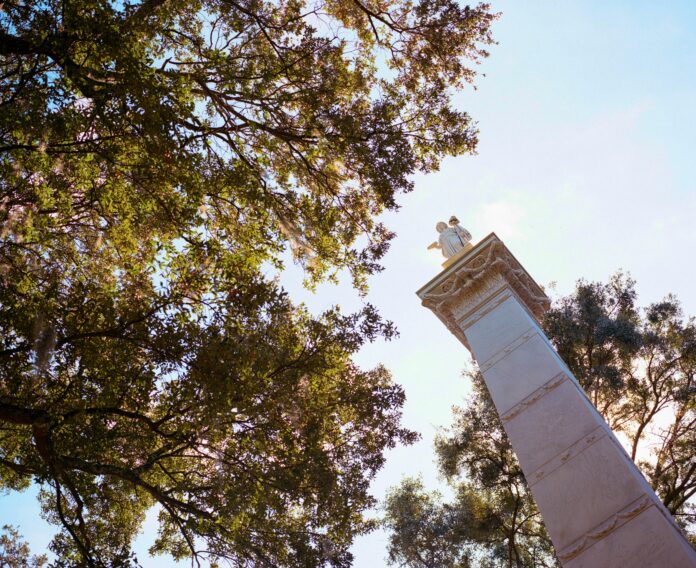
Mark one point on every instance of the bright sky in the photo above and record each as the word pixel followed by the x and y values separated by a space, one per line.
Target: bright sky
pixel 586 165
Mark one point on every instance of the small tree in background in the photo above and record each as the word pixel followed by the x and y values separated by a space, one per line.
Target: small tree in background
pixel 15 553
pixel 637 366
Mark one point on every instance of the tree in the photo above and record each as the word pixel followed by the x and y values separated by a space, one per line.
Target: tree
pixel 423 529
pixel 493 520
pixel 429 533
pixel 159 161
pixel 637 366
pixel 15 553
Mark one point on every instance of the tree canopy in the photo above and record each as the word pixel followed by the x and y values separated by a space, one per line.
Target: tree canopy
pixel 638 366
pixel 159 161
pixel 266 123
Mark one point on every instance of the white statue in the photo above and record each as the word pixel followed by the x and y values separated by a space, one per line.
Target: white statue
pixel 452 239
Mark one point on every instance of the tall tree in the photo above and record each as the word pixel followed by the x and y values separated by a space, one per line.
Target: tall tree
pixel 639 369
pixel 157 158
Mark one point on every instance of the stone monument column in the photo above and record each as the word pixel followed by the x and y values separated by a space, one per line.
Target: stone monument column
pixel 598 508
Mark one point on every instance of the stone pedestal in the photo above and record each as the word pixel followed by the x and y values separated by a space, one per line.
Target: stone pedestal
pixel 597 506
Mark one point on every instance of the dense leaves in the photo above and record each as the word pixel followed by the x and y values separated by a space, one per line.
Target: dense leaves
pixel 266 122
pixel 251 430
pixel 637 366
pixel 425 531
pixel 159 161
pixel 474 529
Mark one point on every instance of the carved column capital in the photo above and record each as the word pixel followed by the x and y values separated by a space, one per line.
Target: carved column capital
pixel 487 270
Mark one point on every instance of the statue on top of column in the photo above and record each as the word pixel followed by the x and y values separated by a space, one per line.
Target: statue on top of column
pixel 452 239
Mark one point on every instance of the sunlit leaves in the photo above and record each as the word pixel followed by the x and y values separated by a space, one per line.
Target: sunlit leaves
pixel 157 158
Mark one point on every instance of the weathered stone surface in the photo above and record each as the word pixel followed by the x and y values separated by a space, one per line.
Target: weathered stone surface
pixel 512 376
pixel 637 542
pixel 541 429
pixel 599 510
pixel 584 491
pixel 500 328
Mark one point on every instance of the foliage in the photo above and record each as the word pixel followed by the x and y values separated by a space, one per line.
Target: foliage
pixel 429 533
pixel 261 122
pixel 423 530
pixel 637 366
pixel 492 520
pixel 15 553
pixel 639 369
pixel 157 160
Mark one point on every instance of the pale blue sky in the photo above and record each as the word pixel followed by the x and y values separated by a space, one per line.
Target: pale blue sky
pixel 586 165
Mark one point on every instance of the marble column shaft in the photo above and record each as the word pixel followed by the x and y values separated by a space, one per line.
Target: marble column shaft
pixel 597 507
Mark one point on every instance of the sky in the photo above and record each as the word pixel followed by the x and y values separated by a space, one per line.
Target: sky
pixel 587 118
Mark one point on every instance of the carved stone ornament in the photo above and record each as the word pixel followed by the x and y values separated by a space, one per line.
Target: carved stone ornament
pixel 534 397
pixel 607 527
pixel 472 280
